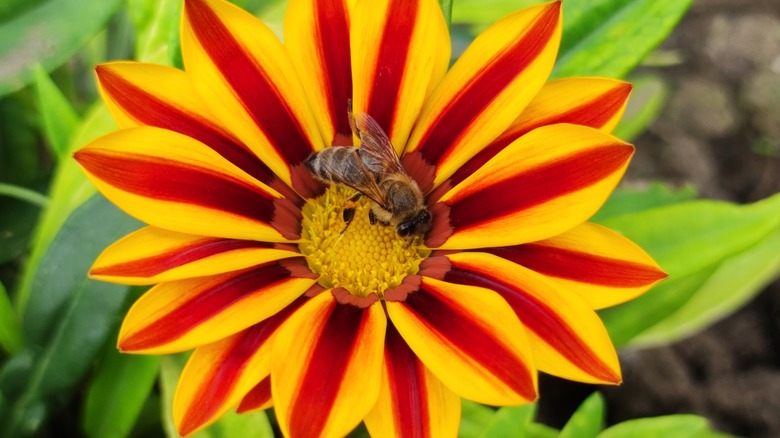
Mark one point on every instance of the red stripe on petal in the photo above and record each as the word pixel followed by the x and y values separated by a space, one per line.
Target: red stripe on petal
pixel 326 370
pixel 175 257
pixel 540 319
pixel 461 331
pixel 579 266
pixel 332 29
pixel 168 180
pixel 258 94
pixel 391 61
pixel 406 374
pixel 205 305
pixel 471 101
pixel 595 114
pixel 151 111
pixel 538 185
pixel 258 397
pixel 210 398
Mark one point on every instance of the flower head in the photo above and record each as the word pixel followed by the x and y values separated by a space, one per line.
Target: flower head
pixel 334 322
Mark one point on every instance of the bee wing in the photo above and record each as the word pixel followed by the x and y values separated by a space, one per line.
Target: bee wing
pixel 357 175
pixel 376 151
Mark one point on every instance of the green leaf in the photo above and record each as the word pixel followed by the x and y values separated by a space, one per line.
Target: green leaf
pixel 23 194
pixel 732 284
pixel 118 392
pixel 154 22
pixel 678 426
pixel 626 200
pixel 69 189
pixel 680 236
pixel 17 220
pixel 68 319
pixel 539 430
pixel 11 339
pixel 611 37
pixel 22 161
pixel 230 425
pixel 485 12
pixel 588 420
pixel 58 117
pixel 600 37
pixel 48 35
pixel 692 242
pixel 627 321
pixel 510 421
pixel 170 370
pixel 474 419
pixel 11 8
pixel 446 10
pixel 647 99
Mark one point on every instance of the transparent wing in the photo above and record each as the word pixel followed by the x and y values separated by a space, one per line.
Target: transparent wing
pixel 376 151
pixel 354 173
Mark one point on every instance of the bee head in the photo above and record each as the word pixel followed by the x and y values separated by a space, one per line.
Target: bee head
pixel 416 225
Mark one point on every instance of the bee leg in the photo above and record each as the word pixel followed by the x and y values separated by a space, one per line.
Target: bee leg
pixel 348 214
pixel 349 211
pixel 372 218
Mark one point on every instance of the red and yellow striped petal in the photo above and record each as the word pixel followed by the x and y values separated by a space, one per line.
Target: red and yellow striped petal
pixel 316 35
pixel 174 182
pixel 470 339
pixel 326 367
pixel 412 401
pixel 547 182
pixel 567 337
pixel 484 92
pixel 242 71
pixel 180 315
pixel 599 264
pixel 219 375
pixel 153 255
pixel 156 95
pixel 258 398
pixel 401 50
pixel 595 102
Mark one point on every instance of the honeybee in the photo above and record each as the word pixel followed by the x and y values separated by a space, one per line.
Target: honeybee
pixel 375 171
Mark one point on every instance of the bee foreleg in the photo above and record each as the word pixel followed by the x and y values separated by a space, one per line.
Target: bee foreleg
pixel 348 214
pixel 349 211
pixel 373 219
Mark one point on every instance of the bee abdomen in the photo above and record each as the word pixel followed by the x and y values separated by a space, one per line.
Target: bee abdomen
pixel 336 165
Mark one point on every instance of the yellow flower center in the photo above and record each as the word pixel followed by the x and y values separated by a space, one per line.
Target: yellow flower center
pixel 361 258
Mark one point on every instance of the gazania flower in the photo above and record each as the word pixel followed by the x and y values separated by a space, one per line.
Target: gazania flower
pixel 286 306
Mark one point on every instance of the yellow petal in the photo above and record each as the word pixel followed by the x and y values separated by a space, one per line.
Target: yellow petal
pixel 567 337
pixel 400 51
pixel 316 35
pixel 242 72
pixel 602 266
pixel 412 401
pixel 470 339
pixel 153 255
pixel 180 315
pixel 326 367
pixel 174 182
pixel 546 182
pixel 484 92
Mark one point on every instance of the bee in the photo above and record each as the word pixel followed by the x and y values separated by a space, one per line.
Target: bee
pixel 375 171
